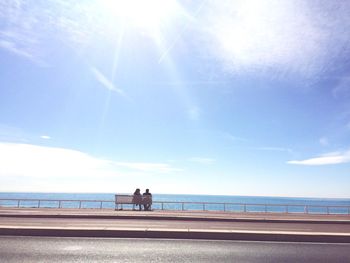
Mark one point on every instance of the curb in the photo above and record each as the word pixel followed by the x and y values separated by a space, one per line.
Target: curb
pixel 179 234
pixel 182 218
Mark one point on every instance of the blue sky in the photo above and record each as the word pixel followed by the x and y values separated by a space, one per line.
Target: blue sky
pixel 195 97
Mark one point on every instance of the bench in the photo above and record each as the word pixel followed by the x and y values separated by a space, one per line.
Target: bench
pixel 128 200
pixel 123 200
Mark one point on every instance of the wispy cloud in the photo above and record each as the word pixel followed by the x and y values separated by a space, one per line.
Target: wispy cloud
pixel 28 30
pixel 21 51
pixel 104 81
pixel 193 113
pixel 326 159
pixel 342 89
pixel 11 46
pixel 10 133
pixel 21 30
pixel 296 36
pixel 324 141
pixel 275 149
pixel 283 35
pixel 15 134
pixel 148 167
pixel 202 160
pixel 232 138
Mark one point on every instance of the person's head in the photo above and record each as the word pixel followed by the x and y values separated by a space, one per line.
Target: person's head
pixel 147 190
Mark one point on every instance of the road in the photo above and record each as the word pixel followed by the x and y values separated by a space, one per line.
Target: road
pixel 148 224
pixel 43 249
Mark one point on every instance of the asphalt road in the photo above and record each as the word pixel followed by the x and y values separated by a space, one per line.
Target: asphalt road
pixel 42 249
pixel 99 223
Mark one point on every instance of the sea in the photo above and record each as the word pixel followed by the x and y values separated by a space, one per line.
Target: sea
pixel 183 202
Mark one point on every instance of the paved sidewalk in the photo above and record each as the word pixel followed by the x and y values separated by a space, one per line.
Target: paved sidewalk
pixel 175 224
pixel 173 215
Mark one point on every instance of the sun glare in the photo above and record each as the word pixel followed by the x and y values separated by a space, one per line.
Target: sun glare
pixel 150 14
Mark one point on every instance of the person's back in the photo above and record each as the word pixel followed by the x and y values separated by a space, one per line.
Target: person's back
pixel 147 200
pixel 137 198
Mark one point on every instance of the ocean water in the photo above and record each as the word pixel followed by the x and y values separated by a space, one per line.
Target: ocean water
pixel 187 202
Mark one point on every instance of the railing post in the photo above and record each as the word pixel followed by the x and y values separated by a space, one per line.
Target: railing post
pixel 79 204
pixel 306 209
pixel 39 203
pixel 224 207
pixel 59 204
pixel 18 203
pixel 183 206
pixel 244 208
pixel 162 206
pixel 203 206
pixel 101 205
pixel 287 209
pixel 327 210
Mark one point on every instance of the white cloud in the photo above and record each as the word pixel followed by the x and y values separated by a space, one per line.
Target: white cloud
pixel 39 161
pixel 202 160
pixel 45 137
pixel 326 159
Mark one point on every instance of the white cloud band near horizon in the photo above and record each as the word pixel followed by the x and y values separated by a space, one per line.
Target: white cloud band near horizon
pixel 326 159
pixel 18 159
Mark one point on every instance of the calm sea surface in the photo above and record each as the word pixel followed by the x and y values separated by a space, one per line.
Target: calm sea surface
pixel 233 203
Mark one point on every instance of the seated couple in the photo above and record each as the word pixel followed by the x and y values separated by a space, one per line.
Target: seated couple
pixel 145 200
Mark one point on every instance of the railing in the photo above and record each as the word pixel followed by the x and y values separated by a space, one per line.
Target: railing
pixel 54 203
pixel 182 206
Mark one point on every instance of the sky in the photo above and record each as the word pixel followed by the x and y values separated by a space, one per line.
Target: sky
pixel 183 97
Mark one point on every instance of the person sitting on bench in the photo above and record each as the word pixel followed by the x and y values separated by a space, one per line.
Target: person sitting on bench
pixel 137 199
pixel 147 200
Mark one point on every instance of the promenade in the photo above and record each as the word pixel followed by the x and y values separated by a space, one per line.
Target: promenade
pixel 174 224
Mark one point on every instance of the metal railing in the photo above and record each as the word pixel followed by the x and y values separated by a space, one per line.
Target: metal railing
pixel 53 203
pixel 252 207
pixel 182 206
